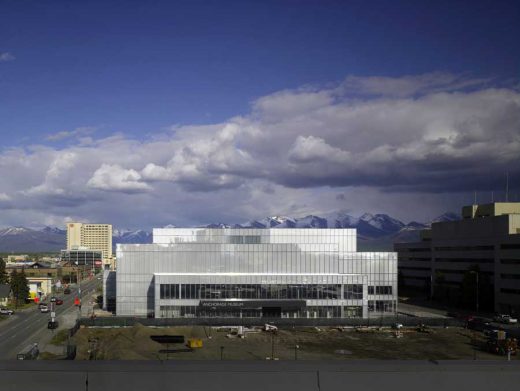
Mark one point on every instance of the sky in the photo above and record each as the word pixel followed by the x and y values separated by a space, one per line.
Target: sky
pixel 143 114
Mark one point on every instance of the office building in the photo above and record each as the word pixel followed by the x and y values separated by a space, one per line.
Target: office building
pixel 92 236
pixel 82 256
pixel 482 249
pixel 289 273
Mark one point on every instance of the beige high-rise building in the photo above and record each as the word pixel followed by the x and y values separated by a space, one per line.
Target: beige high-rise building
pixel 94 236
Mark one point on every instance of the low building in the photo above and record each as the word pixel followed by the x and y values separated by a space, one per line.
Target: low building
pixel 479 252
pixel 17 258
pixel 40 287
pixel 82 256
pixel 289 273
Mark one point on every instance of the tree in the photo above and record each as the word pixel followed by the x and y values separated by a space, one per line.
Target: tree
pixel 19 287
pixel 4 277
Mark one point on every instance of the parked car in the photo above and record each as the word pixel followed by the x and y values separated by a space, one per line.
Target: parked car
pixel 52 324
pixel 44 309
pixel 42 304
pixel 29 353
pixel 501 318
pixel 6 311
pixel 478 324
pixel 59 301
pixel 66 291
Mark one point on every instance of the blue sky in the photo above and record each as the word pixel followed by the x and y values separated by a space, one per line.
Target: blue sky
pixel 86 71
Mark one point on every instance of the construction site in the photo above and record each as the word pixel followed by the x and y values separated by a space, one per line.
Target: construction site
pixel 294 343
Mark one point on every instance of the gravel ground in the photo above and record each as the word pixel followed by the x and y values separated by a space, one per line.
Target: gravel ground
pixel 134 343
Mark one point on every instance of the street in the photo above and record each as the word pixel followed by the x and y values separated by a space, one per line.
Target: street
pixel 30 326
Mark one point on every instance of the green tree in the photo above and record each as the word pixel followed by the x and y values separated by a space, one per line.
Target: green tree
pixel 4 277
pixel 19 287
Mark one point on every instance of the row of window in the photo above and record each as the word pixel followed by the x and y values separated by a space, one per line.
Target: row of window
pixel 380 290
pixel 510 261
pixel 261 291
pixel 309 312
pixel 466 260
pixel 414 268
pixel 249 239
pixel 510 291
pixel 465 248
pixel 381 306
pixel 510 276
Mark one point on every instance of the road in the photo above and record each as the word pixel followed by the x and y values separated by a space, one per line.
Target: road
pixel 30 326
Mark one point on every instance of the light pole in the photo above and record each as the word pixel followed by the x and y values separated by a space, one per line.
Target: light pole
pixel 476 288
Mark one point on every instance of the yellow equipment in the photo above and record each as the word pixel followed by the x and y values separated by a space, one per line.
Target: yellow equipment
pixel 195 343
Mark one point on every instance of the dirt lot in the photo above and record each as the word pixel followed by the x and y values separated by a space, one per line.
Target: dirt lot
pixel 328 344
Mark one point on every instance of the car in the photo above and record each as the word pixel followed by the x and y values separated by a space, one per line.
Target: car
pixel 44 309
pixel 6 311
pixel 59 301
pixel 66 291
pixel 501 318
pixel 42 304
pixel 53 299
pixel 478 324
pixel 52 324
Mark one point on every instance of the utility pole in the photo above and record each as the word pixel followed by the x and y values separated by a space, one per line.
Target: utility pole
pixel 272 345
pixel 476 289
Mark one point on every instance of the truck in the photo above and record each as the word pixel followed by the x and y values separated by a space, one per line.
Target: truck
pixel 501 318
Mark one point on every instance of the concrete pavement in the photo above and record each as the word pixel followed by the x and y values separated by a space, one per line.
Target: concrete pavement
pixel 30 326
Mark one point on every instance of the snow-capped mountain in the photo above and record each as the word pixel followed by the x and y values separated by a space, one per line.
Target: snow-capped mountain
pixel 128 236
pixel 448 216
pixel 375 231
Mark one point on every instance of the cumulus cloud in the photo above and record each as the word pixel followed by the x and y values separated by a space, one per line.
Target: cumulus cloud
pixel 364 138
pixel 65 134
pixel 409 85
pixel 6 56
pixel 115 178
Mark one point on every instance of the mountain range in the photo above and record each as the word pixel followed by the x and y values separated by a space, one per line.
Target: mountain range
pixel 376 232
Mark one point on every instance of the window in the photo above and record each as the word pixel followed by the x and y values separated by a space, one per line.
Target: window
pixel 381 306
pixel 353 312
pixel 353 292
pixel 383 290
pixel 169 291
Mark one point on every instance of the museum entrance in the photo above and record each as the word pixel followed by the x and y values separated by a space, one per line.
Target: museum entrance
pixel 271 312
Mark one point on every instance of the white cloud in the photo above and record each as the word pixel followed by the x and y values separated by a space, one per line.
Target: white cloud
pixel 78 132
pixel 6 56
pixel 115 178
pixel 435 134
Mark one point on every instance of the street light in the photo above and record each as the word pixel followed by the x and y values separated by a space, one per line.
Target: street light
pixel 476 279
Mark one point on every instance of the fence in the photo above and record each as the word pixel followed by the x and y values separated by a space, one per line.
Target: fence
pixel 163 322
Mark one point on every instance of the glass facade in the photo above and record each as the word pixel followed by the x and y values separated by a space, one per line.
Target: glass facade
pixel 82 257
pixel 186 268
